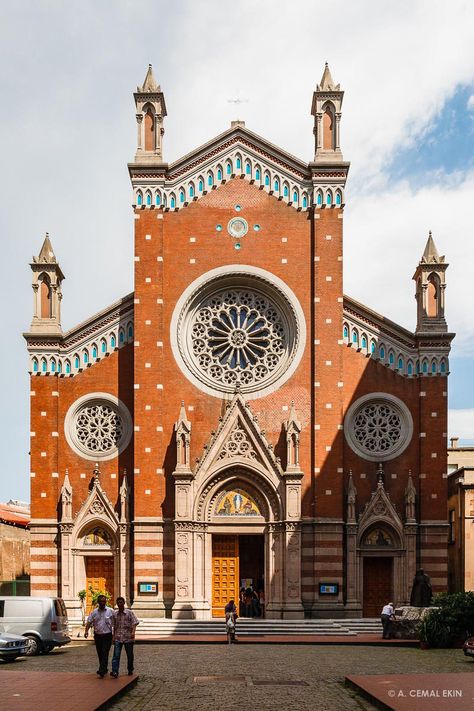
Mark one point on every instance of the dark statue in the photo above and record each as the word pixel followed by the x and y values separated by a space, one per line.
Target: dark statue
pixel 421 593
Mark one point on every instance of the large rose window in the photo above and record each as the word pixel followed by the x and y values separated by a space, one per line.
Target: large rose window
pixel 378 427
pixel 238 330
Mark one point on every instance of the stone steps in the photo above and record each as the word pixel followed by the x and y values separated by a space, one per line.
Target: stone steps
pixel 150 627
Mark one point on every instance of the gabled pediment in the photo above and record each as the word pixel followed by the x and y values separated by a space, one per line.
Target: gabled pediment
pixel 236 153
pixel 97 508
pixel 380 509
pixel 239 440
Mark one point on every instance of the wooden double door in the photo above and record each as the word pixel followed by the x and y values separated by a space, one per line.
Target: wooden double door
pixel 235 557
pixel 378 584
pixel 99 576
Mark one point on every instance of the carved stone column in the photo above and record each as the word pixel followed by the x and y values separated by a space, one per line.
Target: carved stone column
pixel 274 571
pixel 293 607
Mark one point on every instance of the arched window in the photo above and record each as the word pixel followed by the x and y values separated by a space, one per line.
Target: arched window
pixel 157 199
pixel 345 332
pixel 382 352
pixel 338 198
pixel 139 198
pixel 257 173
pixel 432 292
pixel 433 367
pixel 130 331
pixel 267 180
pixel 112 341
pixel 228 168
pixel 276 185
pixel 400 363
pixel 181 196
pixel 410 368
pixel 35 365
pixel 45 297
pixel 391 358
pixel 219 173
pixel 94 351
pixel 148 199
pixel 149 131
pixel 200 185
pixel 172 201
pixel 329 142
pixel 425 367
pixel 44 366
pixel 443 367
pixel 210 179
pixel 364 342
pixel 103 346
pixel 85 356
pixel 295 197
pixel 238 163
pixel 191 190
pixel 305 202
pixel 285 190
pixel 319 200
pixel 121 336
pixel 52 365
pixel 68 367
pixel 77 362
pixel 372 346
pixel 355 338
pixel 248 169
pixel 329 198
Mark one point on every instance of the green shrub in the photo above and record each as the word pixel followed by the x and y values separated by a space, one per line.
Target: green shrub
pixel 452 621
pixel 95 594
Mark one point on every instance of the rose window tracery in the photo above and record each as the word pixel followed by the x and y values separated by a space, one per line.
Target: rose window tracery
pixel 237 330
pixel 98 426
pixel 238 337
pixel 378 427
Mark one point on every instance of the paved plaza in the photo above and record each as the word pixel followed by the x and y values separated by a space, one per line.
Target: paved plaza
pixel 270 676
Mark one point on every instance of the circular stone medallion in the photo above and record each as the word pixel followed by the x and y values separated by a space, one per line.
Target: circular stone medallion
pixel 237 227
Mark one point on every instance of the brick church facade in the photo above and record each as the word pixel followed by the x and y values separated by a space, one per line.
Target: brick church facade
pixel 237 419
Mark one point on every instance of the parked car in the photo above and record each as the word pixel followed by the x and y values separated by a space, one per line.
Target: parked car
pixel 468 647
pixel 12 646
pixel 42 620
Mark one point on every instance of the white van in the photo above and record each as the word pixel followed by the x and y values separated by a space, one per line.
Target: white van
pixel 42 619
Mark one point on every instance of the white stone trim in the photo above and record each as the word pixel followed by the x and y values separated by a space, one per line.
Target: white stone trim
pixel 116 404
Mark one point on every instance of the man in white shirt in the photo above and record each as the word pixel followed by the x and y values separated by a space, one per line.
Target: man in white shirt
pixel 101 619
pixel 385 617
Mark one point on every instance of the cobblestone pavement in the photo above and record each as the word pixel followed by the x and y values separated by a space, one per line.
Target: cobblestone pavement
pixel 167 674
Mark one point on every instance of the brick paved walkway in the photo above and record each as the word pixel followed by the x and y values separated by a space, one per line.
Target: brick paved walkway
pixel 171 675
pixel 58 691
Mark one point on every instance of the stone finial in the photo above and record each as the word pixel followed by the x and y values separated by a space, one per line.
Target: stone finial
pixel 150 83
pixel 380 476
pixel 96 473
pixel 351 499
pixel 431 254
pixel 410 499
pixel 327 82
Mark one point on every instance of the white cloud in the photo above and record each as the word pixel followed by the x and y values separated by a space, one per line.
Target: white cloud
pixel 470 103
pixel 461 423
pixel 385 235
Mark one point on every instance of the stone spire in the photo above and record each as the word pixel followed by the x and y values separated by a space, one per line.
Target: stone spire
pixel 183 441
pixel 46 282
pixel 326 109
pixel 430 278
pixel 150 113
pixel 430 254
pixel 293 429
pixel 327 82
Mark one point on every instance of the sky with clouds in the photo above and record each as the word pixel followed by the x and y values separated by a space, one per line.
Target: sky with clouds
pixel 67 130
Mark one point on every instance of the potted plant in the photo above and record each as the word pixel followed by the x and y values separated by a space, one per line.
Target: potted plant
pixel 82 594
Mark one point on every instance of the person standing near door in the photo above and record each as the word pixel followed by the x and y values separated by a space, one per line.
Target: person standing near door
pixel 124 626
pixel 101 619
pixel 385 617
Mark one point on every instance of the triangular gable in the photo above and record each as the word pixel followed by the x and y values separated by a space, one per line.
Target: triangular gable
pixel 380 509
pixel 97 508
pixel 236 153
pixel 239 440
